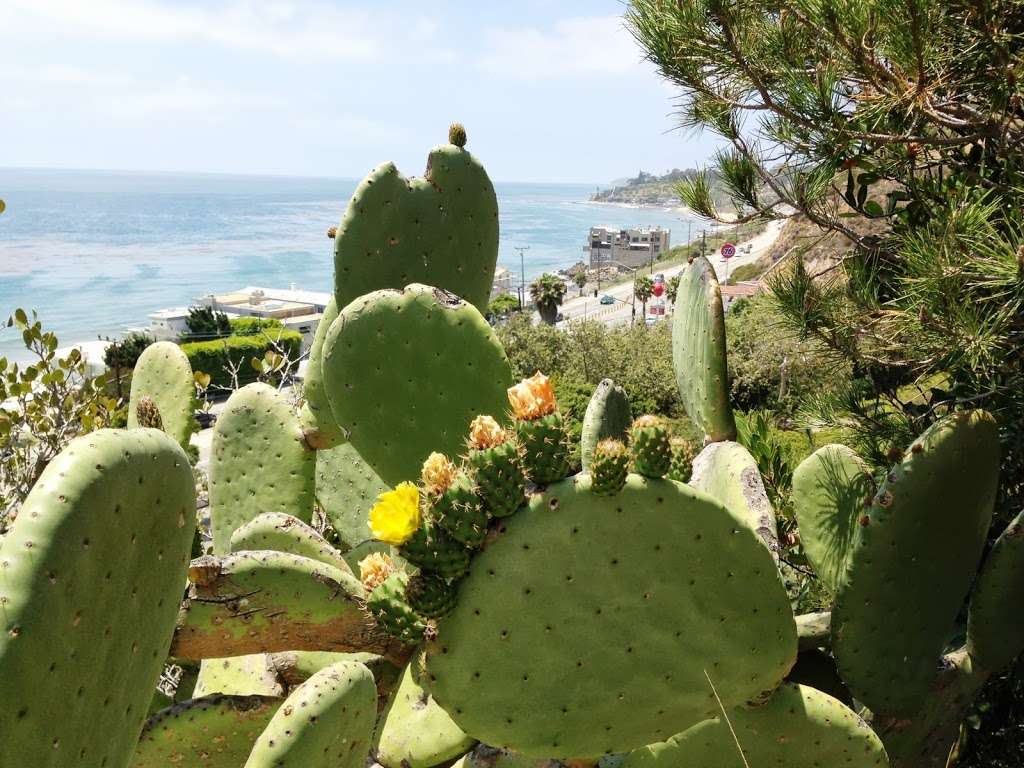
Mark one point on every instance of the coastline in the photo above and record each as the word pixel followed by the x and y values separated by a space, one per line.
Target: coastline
pixel 681 210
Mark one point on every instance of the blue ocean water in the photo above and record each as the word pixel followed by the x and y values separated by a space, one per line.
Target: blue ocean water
pixel 95 252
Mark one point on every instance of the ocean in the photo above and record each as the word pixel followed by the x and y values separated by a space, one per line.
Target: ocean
pixel 96 251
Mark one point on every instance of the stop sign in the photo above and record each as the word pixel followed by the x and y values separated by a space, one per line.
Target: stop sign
pixel 728 250
pixel 659 288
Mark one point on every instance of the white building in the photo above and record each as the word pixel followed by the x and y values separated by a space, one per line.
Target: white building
pixel 504 282
pixel 632 247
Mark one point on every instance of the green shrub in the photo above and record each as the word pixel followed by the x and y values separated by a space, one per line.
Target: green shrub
pixel 503 304
pixel 744 272
pixel 215 357
pixel 247 326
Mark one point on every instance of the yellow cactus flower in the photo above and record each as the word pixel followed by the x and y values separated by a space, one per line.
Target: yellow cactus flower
pixel 532 398
pixel 374 569
pixel 438 473
pixel 485 432
pixel 396 515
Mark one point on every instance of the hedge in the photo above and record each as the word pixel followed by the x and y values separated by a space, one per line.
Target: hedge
pixel 247 326
pixel 212 356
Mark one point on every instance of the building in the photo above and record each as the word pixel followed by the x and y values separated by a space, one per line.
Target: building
pixel 166 324
pixel 297 310
pixel 632 247
pixel 741 290
pixel 504 282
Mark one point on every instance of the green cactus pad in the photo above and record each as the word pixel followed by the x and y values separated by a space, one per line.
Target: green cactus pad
pixel 296 667
pixel 284 533
pixel 832 489
pixel 483 756
pixel 90 578
pixel 798 727
pixel 921 541
pixel 501 481
pixel 318 425
pixel 587 626
pixel 272 601
pixel 164 374
pixel 608 415
pixel 698 351
pixel 416 732
pixel 249 675
pixel 258 463
pixel 346 488
pixel 728 472
pixel 407 371
pixel 216 731
pixel 441 229
pixel 995 626
pixel 327 722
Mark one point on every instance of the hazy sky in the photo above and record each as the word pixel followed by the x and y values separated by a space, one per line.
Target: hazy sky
pixel 549 90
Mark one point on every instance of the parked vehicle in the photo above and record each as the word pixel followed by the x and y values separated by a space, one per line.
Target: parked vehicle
pixel 606 299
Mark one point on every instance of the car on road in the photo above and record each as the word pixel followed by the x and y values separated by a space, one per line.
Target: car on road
pixel 606 299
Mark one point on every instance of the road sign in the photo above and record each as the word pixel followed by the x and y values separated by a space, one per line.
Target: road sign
pixel 728 250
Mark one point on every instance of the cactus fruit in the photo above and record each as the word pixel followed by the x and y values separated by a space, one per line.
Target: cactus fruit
pixel 374 570
pixel 346 489
pixel 609 466
pixel 391 611
pixel 90 578
pixel 217 731
pixel 461 512
pixel 831 489
pixel 164 376
pixel 319 428
pixel 457 135
pixel 430 596
pixel 416 335
pixel 798 727
pixel 415 732
pixel 284 533
pixel 608 415
pixel 698 351
pixel 920 544
pixel 259 463
pixel 494 458
pixel 327 722
pixel 433 550
pixel 571 638
pixel 648 441
pixel 995 635
pixel 681 465
pixel 441 229
pixel 147 414
pixel 545 448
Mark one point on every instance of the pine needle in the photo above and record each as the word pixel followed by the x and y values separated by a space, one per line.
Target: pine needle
pixel 728 722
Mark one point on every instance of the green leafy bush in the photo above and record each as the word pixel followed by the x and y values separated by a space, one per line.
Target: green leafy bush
pixel 226 359
pixel 503 304
pixel 247 326
pixel 204 323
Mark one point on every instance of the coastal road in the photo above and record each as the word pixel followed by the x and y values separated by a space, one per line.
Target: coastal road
pixel 586 307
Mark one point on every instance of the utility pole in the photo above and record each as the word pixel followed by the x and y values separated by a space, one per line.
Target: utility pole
pixel 522 275
pixel 704 243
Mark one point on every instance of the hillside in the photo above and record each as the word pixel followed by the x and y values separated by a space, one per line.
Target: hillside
pixel 650 189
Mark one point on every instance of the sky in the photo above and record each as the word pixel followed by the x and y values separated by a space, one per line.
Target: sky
pixel 548 91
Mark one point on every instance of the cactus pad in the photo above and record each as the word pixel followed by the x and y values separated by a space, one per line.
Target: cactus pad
pixel 500 479
pixel 164 375
pixel 391 611
pixel 995 629
pixel 798 727
pixel 608 415
pixel 258 463
pixel 609 467
pixel 216 731
pixel 832 489
pixel 578 632
pixel 284 533
pixel 921 541
pixel 318 425
pixel 247 675
pixel 728 472
pixel 416 732
pixel 461 513
pixel 407 371
pixel 441 229
pixel 90 578
pixel 698 351
pixel 346 489
pixel 326 722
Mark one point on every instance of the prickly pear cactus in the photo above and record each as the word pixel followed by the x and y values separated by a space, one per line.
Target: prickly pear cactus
pixel 440 229
pixel 609 466
pixel 698 351
pixel 391 611
pixel 346 488
pixel 258 463
pixel 433 550
pixel 832 489
pixel 995 635
pixel 327 722
pixel 920 544
pixel 798 727
pixel 90 578
pixel 415 731
pixel 681 466
pixel 147 414
pixel 284 533
pixel 164 375
pixel 608 415
pixel 431 596
pixel 407 371
pixel 648 442
pixel 318 425
pixel 576 631
pixel 216 731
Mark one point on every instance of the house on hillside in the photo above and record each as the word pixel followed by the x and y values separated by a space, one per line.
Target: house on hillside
pixel 632 247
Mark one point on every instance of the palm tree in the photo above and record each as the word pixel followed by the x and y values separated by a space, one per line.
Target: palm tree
pixel 643 289
pixel 579 276
pixel 547 292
